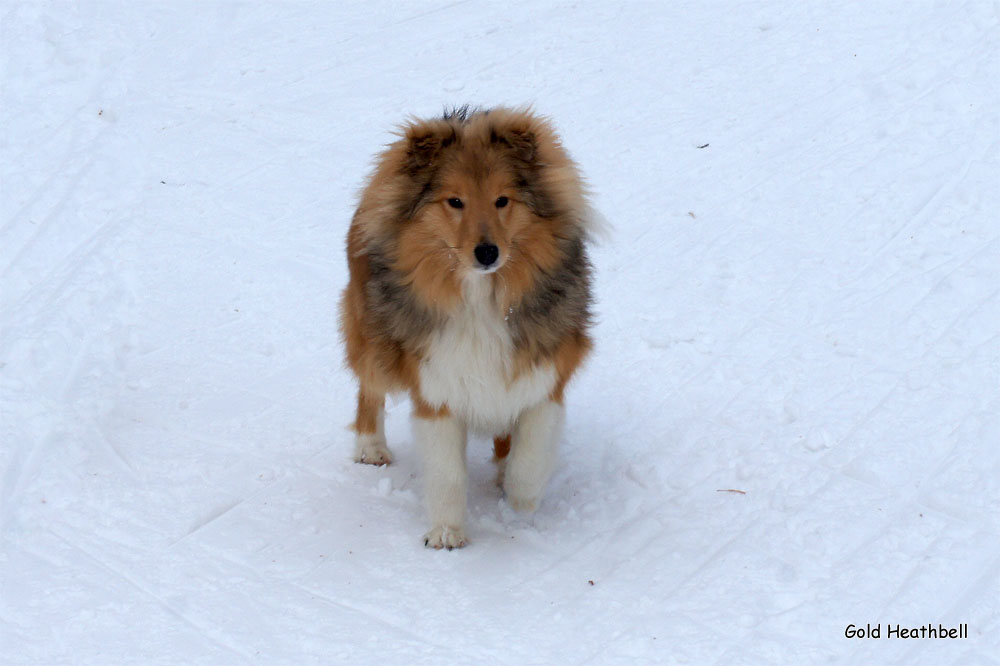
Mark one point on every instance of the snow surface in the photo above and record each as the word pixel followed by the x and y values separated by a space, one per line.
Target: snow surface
pixel 799 301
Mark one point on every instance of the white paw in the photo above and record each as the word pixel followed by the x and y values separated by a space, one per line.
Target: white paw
pixel 445 537
pixel 372 451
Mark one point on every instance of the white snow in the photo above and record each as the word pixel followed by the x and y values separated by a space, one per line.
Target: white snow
pixel 806 310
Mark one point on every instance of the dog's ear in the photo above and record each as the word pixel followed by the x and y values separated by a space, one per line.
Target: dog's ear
pixel 424 143
pixel 417 156
pixel 519 139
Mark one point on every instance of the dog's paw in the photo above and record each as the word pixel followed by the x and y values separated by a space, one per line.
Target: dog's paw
pixel 372 451
pixel 445 537
pixel 521 504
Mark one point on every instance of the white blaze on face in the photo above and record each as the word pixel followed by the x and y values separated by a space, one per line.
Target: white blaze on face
pixel 469 363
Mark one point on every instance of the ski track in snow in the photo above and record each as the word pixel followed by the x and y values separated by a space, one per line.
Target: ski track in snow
pixel 806 310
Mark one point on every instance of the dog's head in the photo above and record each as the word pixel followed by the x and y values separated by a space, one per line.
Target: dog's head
pixel 479 192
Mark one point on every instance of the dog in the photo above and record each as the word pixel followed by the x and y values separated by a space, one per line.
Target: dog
pixel 469 289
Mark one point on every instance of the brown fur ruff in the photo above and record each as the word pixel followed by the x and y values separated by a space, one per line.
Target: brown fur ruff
pixel 408 248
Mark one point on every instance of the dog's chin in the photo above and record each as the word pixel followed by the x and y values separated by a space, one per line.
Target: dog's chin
pixel 485 270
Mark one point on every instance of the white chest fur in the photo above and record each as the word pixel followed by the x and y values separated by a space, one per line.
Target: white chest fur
pixel 469 364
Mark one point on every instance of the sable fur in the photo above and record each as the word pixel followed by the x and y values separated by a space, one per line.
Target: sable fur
pixel 385 316
pixel 410 256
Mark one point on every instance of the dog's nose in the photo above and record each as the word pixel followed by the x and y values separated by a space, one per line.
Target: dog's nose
pixel 486 254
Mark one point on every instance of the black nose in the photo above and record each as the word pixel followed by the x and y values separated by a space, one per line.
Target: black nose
pixel 486 254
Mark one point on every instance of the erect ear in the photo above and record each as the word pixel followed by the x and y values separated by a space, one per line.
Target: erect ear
pixel 424 143
pixel 519 138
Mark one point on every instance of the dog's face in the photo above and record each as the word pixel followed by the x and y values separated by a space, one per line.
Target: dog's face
pixel 472 189
pixel 491 193
pixel 478 209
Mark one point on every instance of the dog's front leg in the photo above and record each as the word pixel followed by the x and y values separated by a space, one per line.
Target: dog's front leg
pixel 532 455
pixel 369 427
pixel 441 438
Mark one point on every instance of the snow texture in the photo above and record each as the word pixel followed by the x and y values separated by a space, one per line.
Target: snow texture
pixel 790 424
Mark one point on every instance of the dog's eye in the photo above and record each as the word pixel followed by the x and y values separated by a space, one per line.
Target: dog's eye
pixel 501 202
pixel 455 202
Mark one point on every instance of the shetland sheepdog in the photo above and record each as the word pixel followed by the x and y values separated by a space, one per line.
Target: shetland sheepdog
pixel 469 290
